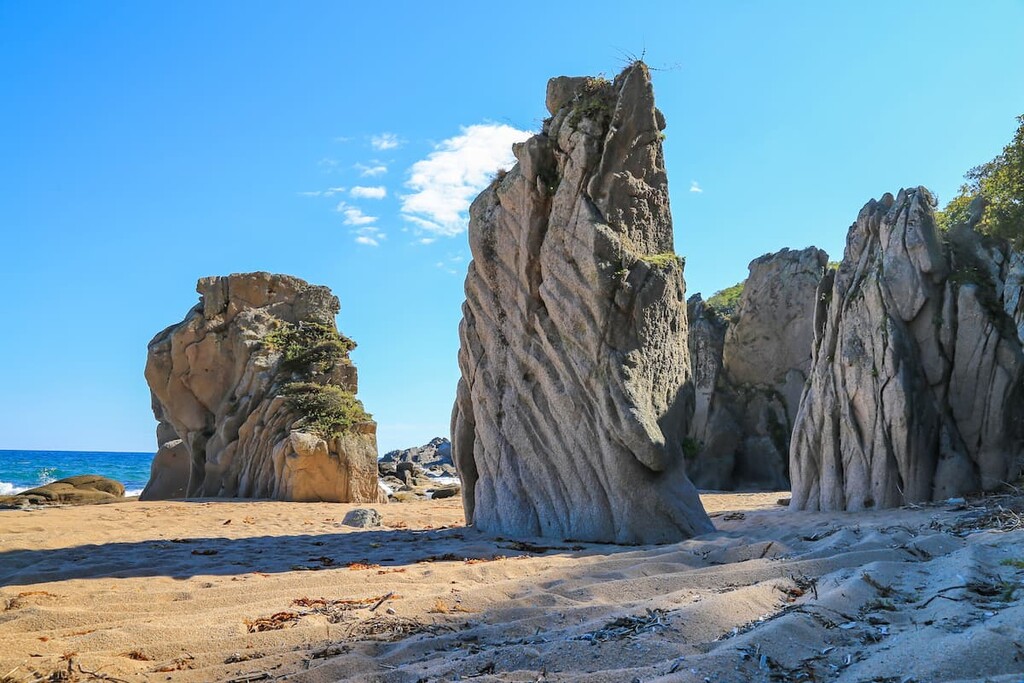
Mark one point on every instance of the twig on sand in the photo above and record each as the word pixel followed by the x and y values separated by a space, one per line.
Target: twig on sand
pixel 383 599
pixel 98 676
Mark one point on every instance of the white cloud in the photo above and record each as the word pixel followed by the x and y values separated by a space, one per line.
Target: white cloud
pixel 342 139
pixel 426 240
pixel 329 192
pixel 361 192
pixel 354 215
pixel 372 171
pixel 369 235
pixel 445 182
pixel 385 141
pixel 694 187
pixel 327 162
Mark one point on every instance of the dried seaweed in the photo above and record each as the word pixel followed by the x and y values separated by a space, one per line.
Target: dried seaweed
pixel 272 623
pixel 626 627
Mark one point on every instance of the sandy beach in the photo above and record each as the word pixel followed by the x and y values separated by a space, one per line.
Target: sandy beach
pixel 249 591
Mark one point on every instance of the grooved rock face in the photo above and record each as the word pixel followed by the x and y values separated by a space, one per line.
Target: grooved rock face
pixel 750 372
pixel 915 391
pixel 569 414
pixel 219 383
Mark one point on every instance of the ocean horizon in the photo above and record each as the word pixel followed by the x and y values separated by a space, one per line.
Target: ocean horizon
pixel 22 470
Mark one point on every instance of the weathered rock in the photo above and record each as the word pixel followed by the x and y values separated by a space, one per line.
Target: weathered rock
pixel 916 389
pixel 257 385
pixel 445 492
pixel 169 473
pixel 750 371
pixel 362 518
pixel 570 413
pixel 434 458
pixel 84 489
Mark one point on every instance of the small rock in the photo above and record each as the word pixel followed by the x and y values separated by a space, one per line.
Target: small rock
pixel 446 492
pixel 362 518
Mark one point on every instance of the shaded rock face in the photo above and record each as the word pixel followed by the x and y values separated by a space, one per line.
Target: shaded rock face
pixel 570 413
pixel 749 373
pixel 84 489
pixel 915 391
pixel 228 385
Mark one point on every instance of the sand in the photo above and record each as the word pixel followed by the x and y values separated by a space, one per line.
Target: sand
pixel 248 591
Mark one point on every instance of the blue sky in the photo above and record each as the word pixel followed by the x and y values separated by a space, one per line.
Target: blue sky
pixel 144 145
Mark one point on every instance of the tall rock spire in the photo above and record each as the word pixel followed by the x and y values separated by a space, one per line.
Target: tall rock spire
pixel 575 372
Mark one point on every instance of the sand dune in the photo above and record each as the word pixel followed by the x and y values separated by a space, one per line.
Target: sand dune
pixel 236 591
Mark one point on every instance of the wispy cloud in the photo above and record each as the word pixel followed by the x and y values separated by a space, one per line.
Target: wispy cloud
pixel 327 162
pixel 385 141
pixel 451 264
pixel 369 235
pixel 354 215
pixel 362 192
pixel 445 182
pixel 342 138
pixel 426 240
pixel 329 192
pixel 372 170
pixel 694 187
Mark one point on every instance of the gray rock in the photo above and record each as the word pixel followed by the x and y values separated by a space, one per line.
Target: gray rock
pixel 570 413
pixel 219 383
pixel 749 373
pixel 169 472
pixel 434 458
pixel 445 492
pixel 362 518
pixel 915 390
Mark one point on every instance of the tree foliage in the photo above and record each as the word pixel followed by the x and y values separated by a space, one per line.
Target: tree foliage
pixel 1000 186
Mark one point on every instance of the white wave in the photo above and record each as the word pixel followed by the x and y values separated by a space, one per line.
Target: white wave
pixel 443 481
pixel 9 489
pixel 128 493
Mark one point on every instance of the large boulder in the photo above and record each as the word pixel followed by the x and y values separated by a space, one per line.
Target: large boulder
pixel 915 391
pixel 570 413
pixel 255 389
pixel 749 372
pixel 84 489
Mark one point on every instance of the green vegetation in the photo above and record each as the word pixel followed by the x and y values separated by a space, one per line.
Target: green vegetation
pixel 664 260
pixel 309 348
pixel 832 265
pixel 326 410
pixel 1000 186
pixel 691 447
pixel 1016 564
pixel 727 301
pixel 595 101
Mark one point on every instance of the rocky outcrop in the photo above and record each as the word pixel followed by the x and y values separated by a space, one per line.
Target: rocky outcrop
pixel 433 458
pixel 84 489
pixel 916 390
pixel 749 373
pixel 255 389
pixel 570 413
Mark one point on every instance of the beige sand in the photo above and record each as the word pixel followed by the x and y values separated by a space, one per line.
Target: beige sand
pixel 170 591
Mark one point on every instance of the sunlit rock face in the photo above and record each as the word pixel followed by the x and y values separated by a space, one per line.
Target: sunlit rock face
pixel 220 381
pixel 915 390
pixel 574 395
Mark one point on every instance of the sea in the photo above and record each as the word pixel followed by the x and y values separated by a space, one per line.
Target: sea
pixel 21 470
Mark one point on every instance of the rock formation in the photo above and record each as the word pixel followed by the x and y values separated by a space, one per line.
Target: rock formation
pixel 255 389
pixel 915 392
pixel 84 489
pixel 433 458
pixel 749 373
pixel 570 413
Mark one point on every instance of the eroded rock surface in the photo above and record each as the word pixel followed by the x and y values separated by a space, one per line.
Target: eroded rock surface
pixel 255 389
pixel 572 405
pixel 84 489
pixel 916 387
pixel 749 373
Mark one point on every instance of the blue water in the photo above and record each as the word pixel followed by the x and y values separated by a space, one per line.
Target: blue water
pixel 20 470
